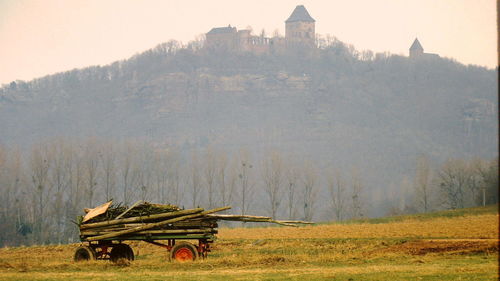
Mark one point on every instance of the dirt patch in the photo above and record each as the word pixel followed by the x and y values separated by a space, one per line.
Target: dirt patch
pixel 423 247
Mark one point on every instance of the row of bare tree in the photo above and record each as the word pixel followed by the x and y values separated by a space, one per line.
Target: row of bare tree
pixel 456 183
pixel 43 190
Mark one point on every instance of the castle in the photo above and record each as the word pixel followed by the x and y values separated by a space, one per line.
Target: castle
pixel 299 31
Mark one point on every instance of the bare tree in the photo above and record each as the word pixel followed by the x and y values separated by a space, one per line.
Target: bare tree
pixel 336 187
pixel 91 164
pixel 452 179
pixel 59 179
pixel 226 181
pixel 108 159
pixel 273 178
pixel 40 164
pixel 309 190
pixel 126 169
pixel 245 184
pixel 144 172
pixel 160 173
pixel 210 173
pixel 423 183
pixel 292 181
pixel 174 178
pixel 356 192
pixel 484 181
pixel 195 179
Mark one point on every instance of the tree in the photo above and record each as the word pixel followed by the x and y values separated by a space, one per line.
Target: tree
pixel 91 164
pixel 336 188
pixel 245 185
pixel 174 179
pixel 126 167
pixel 108 159
pixel 309 190
pixel 356 192
pixel 422 183
pixel 195 179
pixel 59 178
pixel 210 173
pixel 160 173
pixel 487 171
pixel 452 179
pixel 292 180
pixel 40 164
pixel 273 178
pixel 226 181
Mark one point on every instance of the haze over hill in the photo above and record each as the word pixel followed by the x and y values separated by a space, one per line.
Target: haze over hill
pixel 334 105
pixel 334 121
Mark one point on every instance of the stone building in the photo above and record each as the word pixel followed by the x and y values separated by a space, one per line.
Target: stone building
pixel 223 38
pixel 299 30
pixel 299 27
pixel 417 51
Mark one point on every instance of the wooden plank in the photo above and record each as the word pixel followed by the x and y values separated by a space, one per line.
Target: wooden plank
pixel 97 211
pixel 141 218
pixel 153 225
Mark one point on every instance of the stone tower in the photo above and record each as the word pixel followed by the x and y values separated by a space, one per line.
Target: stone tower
pixel 416 50
pixel 299 28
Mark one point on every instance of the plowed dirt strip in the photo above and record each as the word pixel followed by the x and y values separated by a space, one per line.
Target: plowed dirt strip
pixel 471 227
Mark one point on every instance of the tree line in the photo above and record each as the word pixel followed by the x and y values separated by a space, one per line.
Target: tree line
pixel 44 188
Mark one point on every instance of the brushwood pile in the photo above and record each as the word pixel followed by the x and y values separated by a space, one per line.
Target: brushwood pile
pixel 149 221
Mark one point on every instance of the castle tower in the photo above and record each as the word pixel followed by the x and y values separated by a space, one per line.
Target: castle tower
pixel 416 50
pixel 299 27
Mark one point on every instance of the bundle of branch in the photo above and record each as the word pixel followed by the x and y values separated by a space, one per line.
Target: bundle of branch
pixel 146 221
pixel 180 223
pixel 138 209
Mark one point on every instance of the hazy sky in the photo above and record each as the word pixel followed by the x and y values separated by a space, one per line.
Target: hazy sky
pixel 47 36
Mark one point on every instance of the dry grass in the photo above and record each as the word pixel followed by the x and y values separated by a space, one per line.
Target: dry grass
pixel 481 226
pixel 443 248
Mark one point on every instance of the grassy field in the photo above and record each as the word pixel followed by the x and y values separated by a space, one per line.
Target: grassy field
pixel 450 245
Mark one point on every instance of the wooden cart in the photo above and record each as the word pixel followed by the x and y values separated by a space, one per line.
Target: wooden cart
pixel 104 240
pixel 114 248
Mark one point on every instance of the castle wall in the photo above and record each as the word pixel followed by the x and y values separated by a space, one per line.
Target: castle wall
pixel 222 40
pixel 300 32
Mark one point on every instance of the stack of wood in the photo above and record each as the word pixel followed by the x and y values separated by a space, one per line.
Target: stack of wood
pixel 155 221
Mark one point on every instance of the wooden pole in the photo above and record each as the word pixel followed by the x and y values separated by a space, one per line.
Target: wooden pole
pixel 141 218
pixel 160 231
pixel 126 211
pixel 156 224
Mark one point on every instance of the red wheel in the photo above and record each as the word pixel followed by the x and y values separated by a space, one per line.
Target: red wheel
pixel 184 252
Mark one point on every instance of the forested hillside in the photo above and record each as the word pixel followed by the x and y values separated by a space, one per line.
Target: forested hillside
pixel 331 113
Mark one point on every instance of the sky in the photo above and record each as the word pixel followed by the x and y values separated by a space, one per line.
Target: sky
pixel 42 37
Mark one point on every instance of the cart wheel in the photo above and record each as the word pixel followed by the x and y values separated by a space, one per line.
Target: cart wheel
pixel 183 251
pixel 84 253
pixel 130 252
pixel 121 251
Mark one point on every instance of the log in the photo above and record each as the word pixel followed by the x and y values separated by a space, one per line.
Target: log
pixel 156 224
pixel 231 217
pixel 297 222
pixel 160 231
pixel 141 218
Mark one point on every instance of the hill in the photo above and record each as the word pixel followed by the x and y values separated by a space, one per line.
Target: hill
pixel 335 106
pixel 452 245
